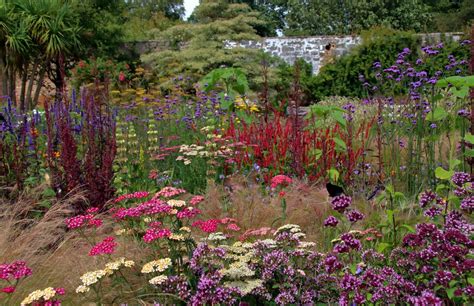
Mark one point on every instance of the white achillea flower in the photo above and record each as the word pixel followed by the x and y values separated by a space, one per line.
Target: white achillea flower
pixel 217 236
pixel 176 203
pixel 185 229
pixel 306 244
pixel 159 265
pixel 158 280
pixel 291 227
pixel 93 277
pixel 245 286
pixel 35 296
pixel 237 270
pixel 176 237
pixel 82 289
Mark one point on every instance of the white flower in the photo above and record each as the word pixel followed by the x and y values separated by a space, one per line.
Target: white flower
pixel 158 280
pixel 82 289
pixel 176 203
pixel 159 265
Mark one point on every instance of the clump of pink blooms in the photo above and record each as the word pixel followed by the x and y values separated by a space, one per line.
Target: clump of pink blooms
pixel 15 270
pixel 155 233
pixel 152 207
pixel 130 196
pixel 107 246
pixel 280 180
pixel 86 220
pixel 211 225
pixel 195 200
pixel 168 192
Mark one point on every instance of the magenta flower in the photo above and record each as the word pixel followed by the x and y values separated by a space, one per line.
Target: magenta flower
pixel 107 246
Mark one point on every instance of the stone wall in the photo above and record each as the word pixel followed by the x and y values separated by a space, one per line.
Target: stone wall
pixel 317 50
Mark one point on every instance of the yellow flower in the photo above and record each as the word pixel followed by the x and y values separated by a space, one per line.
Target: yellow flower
pixel 93 277
pixel 159 265
pixel 82 289
pixel 35 296
pixel 176 203
pixel 158 280
pixel 185 229
pixel 176 237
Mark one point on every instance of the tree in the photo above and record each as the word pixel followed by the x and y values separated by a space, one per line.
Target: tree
pixel 334 17
pixel 200 47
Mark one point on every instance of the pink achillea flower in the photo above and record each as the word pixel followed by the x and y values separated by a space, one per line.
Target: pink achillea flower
pixel 135 195
pixel 152 207
pixel 17 269
pixel 188 212
pixel 154 233
pixel 196 200
pixel 83 220
pixel 60 291
pixel 228 220
pixel 280 180
pixel 209 226
pixel 9 289
pixel 169 192
pixel 107 246
pixel 233 227
pixel 256 232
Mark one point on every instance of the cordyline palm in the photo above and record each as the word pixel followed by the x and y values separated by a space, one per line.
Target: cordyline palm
pixel 53 29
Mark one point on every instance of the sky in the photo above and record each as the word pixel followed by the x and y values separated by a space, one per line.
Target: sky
pixel 189 5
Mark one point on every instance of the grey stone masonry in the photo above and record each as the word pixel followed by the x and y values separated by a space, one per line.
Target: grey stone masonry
pixel 317 50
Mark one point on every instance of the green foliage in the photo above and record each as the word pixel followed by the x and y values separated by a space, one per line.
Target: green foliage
pixel 341 78
pixel 323 17
pixel 200 48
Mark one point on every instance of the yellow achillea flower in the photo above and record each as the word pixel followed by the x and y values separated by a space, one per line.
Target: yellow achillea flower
pixel 176 203
pixel 176 237
pixel 158 280
pixel 159 265
pixel 37 295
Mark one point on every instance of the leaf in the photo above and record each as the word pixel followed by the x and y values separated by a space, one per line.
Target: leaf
pixel 49 193
pixel 408 228
pixel 469 153
pixel 469 138
pixel 470 280
pixel 442 174
pixel 450 292
pixel 340 144
pixel 453 163
pixel 382 246
pixel 317 153
pixel 339 117
pixel 436 115
pixel 333 175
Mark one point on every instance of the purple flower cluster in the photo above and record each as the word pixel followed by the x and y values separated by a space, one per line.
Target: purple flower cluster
pixel 354 215
pixel 331 221
pixel 340 203
pixel 460 178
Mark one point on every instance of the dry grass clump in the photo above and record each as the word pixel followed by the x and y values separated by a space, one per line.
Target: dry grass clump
pixel 57 257
pixel 307 206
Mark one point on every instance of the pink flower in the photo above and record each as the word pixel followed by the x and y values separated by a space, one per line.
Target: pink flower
pixel 209 226
pixel 281 194
pixel 122 77
pixel 135 195
pixel 188 212
pixel 107 246
pixel 233 227
pixel 10 289
pixel 280 180
pixel 92 210
pixel 83 220
pixel 228 220
pixel 196 200
pixel 60 291
pixel 17 269
pixel 152 207
pixel 154 233
pixel 169 192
